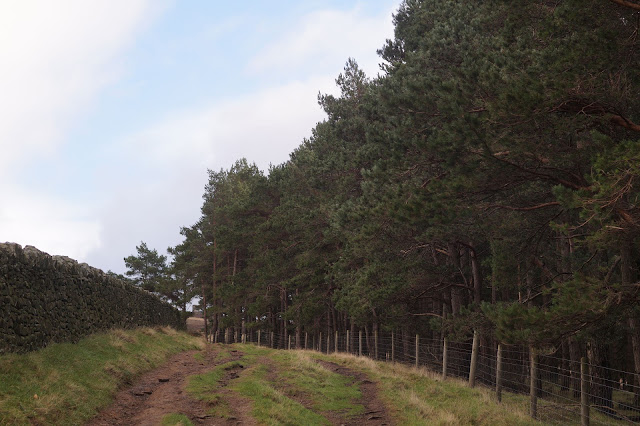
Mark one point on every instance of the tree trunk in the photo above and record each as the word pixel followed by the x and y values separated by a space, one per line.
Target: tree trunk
pixel 574 352
pixel 283 321
pixel 477 276
pixel 601 384
pixel 629 277
pixel 352 336
pixel 366 340
pixel 406 348
pixel 456 291
pixel 204 311
pixel 329 329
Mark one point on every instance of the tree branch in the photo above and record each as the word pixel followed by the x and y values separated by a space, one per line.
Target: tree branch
pixel 524 209
pixel 621 121
pixel 626 3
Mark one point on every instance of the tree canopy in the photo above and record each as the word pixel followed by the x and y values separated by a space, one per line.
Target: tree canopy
pixel 487 180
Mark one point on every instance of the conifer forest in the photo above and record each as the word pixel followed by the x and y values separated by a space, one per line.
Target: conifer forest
pixel 486 180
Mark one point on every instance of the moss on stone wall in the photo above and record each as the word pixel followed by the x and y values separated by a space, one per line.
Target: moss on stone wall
pixel 45 299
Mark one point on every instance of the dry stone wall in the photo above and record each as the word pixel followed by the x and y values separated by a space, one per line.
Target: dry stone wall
pixel 45 299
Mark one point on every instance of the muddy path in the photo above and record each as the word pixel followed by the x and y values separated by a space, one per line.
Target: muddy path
pixel 375 412
pixel 162 391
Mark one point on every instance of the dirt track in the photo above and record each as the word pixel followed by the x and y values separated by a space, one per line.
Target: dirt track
pixel 152 396
pixel 162 391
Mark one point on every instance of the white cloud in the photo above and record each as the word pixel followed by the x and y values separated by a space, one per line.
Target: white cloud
pixel 161 191
pixel 55 57
pixel 264 127
pixel 325 39
pixel 51 225
pixel 166 182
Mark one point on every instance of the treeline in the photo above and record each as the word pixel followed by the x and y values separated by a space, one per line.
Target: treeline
pixel 487 180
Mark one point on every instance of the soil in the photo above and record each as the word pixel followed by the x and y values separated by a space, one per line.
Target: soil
pixel 375 413
pixel 162 391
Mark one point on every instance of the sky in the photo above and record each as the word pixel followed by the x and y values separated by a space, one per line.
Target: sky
pixel 112 111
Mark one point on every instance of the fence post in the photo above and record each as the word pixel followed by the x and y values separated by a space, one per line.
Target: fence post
pixel 360 343
pixel 532 386
pixel 393 349
pixel 271 340
pixel 417 347
pixel 289 347
pixel 347 343
pixel 499 373
pixel 336 345
pixel 328 342
pixel 259 332
pixel 445 357
pixel 375 343
pixel 584 393
pixel 306 340
pixel 320 342
pixel 474 360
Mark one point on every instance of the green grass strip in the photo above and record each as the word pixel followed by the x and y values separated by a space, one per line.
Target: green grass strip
pixel 176 419
pixel 270 406
pixel 327 390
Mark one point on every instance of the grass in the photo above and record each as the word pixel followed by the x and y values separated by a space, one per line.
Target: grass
pixel 270 405
pixel 328 391
pixel 268 381
pixel 291 388
pixel 68 383
pixel 176 419
pixel 419 397
pixel 205 387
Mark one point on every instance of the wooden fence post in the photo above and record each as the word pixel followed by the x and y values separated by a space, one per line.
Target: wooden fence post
pixel 306 340
pixel 320 342
pixel 474 360
pixel 347 343
pixel 259 335
pixel 360 343
pixel 417 349
pixel 499 373
pixel 289 347
pixel 336 343
pixel 584 393
pixel 271 340
pixel 445 357
pixel 533 394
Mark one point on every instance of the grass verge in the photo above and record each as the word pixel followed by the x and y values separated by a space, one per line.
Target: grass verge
pixel 327 391
pixel 68 383
pixel 420 397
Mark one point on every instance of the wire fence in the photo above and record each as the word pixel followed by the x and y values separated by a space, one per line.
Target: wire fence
pixel 561 390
